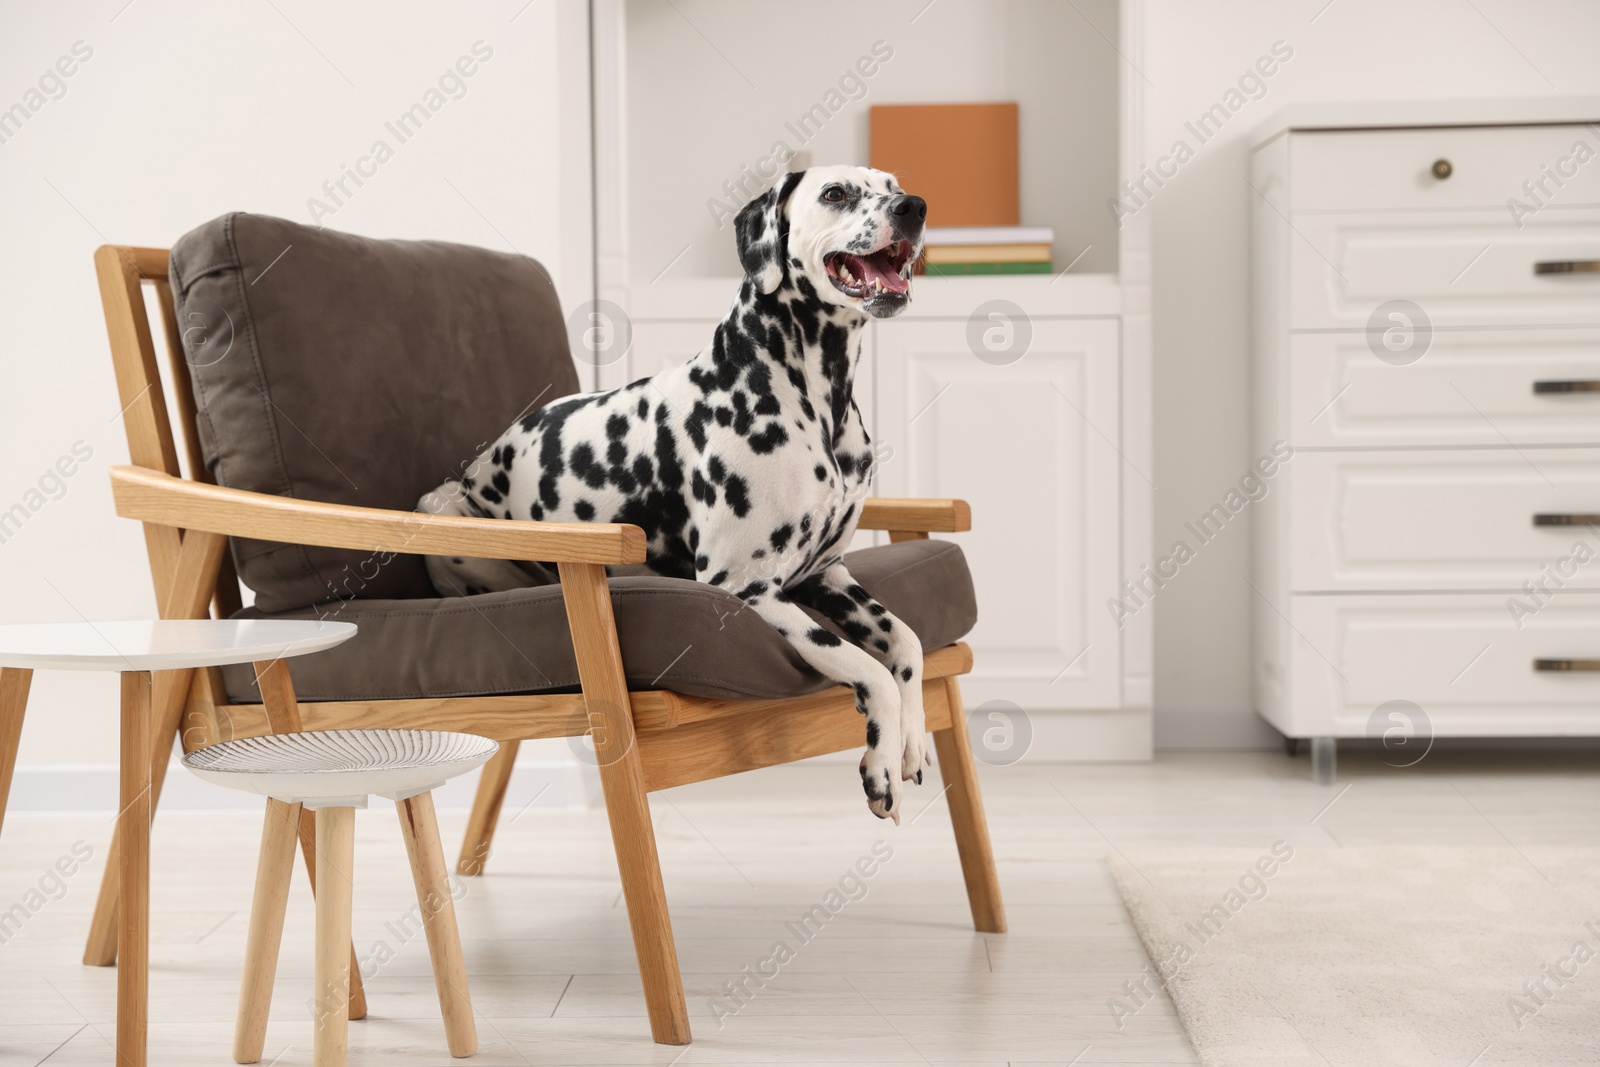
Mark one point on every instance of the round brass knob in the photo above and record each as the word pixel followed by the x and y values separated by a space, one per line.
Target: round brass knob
pixel 1442 169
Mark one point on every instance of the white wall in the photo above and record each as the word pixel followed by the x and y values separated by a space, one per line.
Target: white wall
pixel 710 91
pixel 184 112
pixel 1354 50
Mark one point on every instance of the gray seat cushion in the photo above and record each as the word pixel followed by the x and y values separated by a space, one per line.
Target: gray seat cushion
pixel 348 370
pixel 676 634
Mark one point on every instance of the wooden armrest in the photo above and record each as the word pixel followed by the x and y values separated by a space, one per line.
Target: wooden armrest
pixel 153 496
pixel 916 516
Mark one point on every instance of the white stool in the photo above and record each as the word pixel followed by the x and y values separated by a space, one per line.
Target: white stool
pixel 333 772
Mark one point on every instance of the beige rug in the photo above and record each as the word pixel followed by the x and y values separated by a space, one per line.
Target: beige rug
pixel 1363 957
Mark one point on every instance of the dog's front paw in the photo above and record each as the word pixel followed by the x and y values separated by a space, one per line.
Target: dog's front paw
pixel 915 756
pixel 880 779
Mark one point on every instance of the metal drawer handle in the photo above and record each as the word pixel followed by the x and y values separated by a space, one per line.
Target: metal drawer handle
pixel 1567 266
pixel 1575 385
pixel 1591 665
pixel 1566 519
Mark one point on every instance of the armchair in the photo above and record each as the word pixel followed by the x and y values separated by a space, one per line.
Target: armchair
pixel 588 654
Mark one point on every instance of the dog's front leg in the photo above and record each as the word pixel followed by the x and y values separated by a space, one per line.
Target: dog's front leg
pixel 871 625
pixel 877 696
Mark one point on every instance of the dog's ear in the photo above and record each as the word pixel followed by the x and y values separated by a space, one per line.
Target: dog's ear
pixel 761 234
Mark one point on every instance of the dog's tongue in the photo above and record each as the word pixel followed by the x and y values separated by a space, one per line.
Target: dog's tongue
pixel 876 267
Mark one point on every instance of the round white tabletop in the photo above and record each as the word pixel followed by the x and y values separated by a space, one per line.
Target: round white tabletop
pixel 164 645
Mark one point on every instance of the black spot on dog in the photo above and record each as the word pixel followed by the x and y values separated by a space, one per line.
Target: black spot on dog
pixel 821 472
pixel 583 510
pixel 737 492
pixel 780 536
pixel 502 482
pixel 873 734
pixel 905 674
pixel 823 638
pixel 769 439
pixel 585 467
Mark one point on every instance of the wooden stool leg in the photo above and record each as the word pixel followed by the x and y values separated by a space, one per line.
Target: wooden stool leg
pixel 486 810
pixel 14 682
pixel 133 873
pixel 273 872
pixel 308 849
pixel 336 849
pixel 966 813
pixel 420 829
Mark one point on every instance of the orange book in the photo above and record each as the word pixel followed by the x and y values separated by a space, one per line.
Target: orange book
pixel 1033 253
pixel 960 158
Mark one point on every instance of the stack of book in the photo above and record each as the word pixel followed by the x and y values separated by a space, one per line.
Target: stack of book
pixel 957 250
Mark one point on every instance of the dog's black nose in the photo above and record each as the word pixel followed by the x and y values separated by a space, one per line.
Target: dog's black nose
pixel 908 208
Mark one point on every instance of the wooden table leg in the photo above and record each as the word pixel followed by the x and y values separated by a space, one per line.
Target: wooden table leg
pixel 14 682
pixel 133 912
pixel 336 849
pixel 169 689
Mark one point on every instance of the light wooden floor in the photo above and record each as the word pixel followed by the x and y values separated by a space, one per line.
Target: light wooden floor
pixel 897 976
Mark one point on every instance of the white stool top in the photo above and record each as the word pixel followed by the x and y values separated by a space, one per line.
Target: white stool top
pixel 164 644
pixel 339 768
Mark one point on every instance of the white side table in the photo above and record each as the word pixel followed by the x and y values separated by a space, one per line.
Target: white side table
pixel 135 649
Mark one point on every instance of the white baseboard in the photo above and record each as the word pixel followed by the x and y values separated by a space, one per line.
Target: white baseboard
pixel 563 785
pixel 1119 736
pixel 1179 730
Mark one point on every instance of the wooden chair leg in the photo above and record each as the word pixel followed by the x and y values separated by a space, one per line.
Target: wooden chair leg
pixel 336 839
pixel 616 749
pixel 420 829
pixel 959 772
pixel 274 870
pixel 308 849
pixel 486 810
pixel 633 835
pixel 14 683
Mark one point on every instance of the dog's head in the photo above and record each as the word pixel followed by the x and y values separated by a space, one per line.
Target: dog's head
pixel 850 231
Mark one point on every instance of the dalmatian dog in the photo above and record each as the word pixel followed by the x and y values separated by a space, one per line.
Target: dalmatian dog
pixel 746 466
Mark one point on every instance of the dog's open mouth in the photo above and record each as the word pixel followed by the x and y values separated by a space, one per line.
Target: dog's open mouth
pixel 888 270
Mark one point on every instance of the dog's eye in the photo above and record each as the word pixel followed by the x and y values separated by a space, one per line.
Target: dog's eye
pixel 834 194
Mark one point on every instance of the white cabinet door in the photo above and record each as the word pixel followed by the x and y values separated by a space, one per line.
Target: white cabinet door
pixel 1032 445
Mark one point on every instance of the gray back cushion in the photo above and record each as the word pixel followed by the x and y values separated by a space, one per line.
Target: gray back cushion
pixel 349 370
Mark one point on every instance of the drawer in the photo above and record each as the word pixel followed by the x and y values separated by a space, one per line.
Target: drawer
pixel 1461 268
pixel 1391 170
pixel 1440 520
pixel 1471 387
pixel 1462 659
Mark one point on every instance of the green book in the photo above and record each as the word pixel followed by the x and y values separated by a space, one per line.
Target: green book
pixel 951 270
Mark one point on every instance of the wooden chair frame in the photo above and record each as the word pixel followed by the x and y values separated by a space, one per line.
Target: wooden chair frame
pixel 644 740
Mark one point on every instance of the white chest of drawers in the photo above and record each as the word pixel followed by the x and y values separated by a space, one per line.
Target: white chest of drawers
pixel 1426 335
